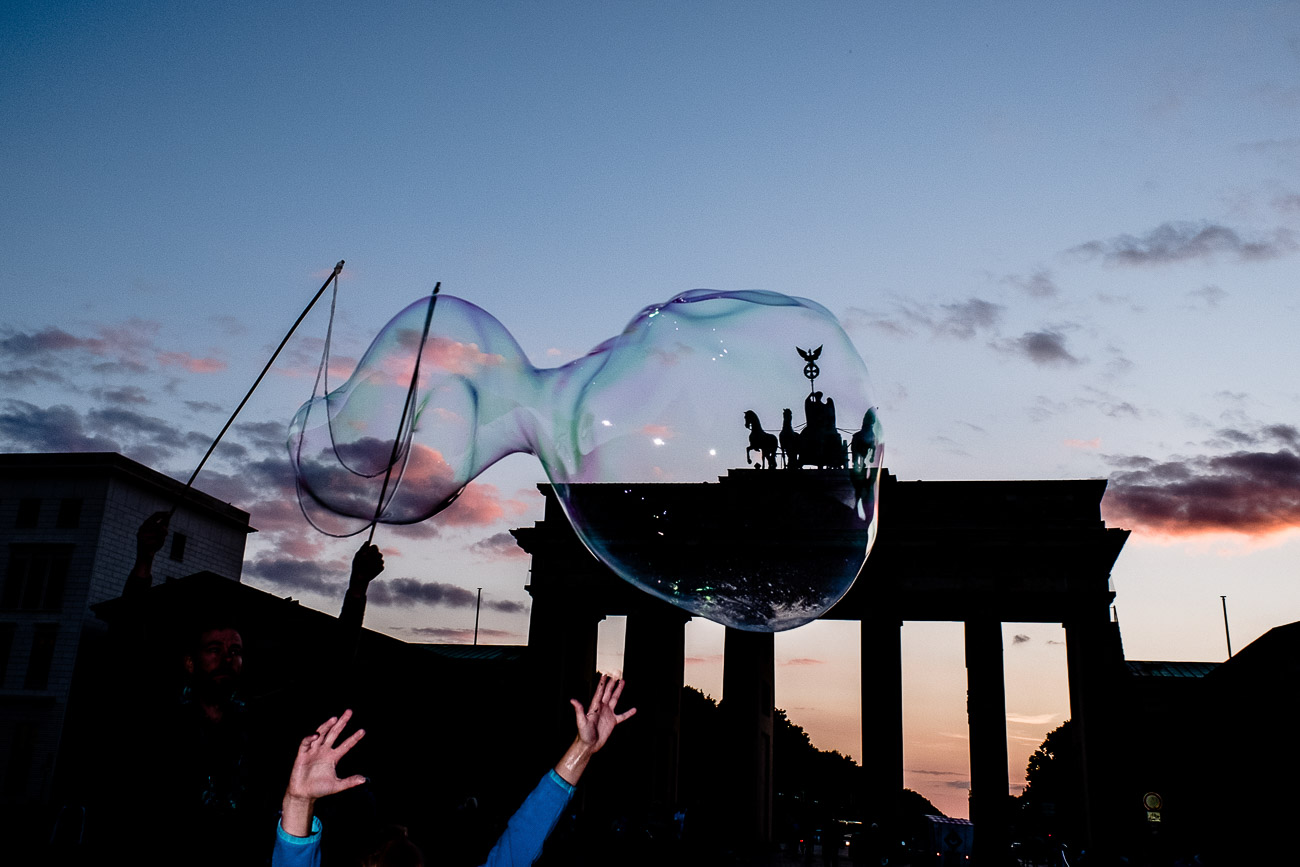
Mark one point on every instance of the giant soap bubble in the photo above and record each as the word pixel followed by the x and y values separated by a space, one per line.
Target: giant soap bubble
pixel 642 440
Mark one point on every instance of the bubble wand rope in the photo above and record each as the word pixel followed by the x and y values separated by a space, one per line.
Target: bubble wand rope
pixel 406 407
pixel 334 276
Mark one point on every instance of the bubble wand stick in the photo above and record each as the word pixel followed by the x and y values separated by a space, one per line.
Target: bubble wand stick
pixel 163 520
pixel 406 407
pixel 334 276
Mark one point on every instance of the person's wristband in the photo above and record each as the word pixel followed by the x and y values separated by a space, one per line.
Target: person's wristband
pixel 294 840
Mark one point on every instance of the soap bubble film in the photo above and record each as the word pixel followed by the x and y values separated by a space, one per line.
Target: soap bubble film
pixel 692 391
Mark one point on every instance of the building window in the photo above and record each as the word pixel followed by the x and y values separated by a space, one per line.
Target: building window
pixel 29 513
pixel 7 631
pixel 69 514
pixel 36 577
pixel 39 663
pixel 178 547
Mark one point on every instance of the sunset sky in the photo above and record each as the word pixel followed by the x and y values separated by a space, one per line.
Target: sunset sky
pixel 1064 238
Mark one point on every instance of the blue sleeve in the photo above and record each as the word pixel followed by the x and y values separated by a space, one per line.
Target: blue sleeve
pixel 291 851
pixel 531 824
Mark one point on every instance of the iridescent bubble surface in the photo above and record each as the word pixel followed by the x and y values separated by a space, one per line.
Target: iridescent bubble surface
pixel 627 435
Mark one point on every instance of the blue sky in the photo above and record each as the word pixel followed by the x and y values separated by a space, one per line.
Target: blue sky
pixel 1063 240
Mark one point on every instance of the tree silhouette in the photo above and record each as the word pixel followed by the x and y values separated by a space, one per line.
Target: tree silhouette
pixel 812 788
pixel 1049 805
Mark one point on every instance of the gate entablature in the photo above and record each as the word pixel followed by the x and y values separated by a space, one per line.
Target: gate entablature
pixel 1018 551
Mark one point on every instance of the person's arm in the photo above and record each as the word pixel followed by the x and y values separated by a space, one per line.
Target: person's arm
pixel 367 563
pixel 314 776
pixel 532 823
pixel 148 542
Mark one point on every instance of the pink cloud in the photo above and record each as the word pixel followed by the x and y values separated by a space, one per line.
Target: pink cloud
pixel 301 546
pixel 704 660
pixel 1247 493
pixel 190 363
pixel 456 357
pixel 479 504
pixel 1094 443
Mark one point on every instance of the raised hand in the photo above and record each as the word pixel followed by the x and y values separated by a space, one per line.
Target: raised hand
pixel 315 773
pixel 151 535
pixel 367 563
pixel 595 724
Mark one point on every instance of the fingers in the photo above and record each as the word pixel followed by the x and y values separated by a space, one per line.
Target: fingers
pixel 329 731
pixel 627 714
pixel 615 692
pixel 351 782
pixel 607 691
pixel 337 728
pixel 368 560
pixel 350 742
pixel 597 697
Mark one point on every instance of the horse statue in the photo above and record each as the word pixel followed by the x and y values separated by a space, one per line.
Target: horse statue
pixel 760 441
pixel 789 441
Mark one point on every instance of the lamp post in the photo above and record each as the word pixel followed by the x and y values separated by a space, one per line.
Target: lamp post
pixel 1226 635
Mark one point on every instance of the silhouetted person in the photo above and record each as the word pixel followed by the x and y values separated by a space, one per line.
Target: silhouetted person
pixel 179 766
pixel 314 776
pixel 187 775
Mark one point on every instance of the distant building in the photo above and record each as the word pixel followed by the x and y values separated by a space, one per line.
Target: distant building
pixel 1209 754
pixel 67 541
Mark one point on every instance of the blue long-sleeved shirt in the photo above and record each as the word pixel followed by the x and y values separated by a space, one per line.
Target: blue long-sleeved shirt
pixel 518 846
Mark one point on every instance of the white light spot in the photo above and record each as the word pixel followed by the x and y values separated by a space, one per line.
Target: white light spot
pixel 657 441
pixel 607 423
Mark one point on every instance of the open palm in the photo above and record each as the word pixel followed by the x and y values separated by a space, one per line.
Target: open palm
pixel 315 769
